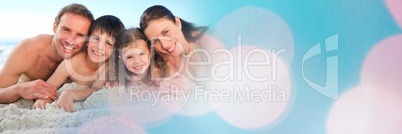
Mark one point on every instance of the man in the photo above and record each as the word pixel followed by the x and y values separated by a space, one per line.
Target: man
pixel 34 60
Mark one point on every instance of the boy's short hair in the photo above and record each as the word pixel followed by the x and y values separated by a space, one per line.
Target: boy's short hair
pixel 110 25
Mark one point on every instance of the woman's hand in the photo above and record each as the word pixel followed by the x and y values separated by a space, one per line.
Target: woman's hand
pixel 66 101
pixel 41 103
pixel 178 85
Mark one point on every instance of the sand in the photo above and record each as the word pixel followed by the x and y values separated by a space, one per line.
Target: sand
pixel 105 111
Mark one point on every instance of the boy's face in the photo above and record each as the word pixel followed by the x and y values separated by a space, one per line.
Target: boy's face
pixel 136 57
pixel 100 47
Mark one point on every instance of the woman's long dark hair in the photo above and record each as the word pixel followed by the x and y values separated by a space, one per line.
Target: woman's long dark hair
pixel 157 12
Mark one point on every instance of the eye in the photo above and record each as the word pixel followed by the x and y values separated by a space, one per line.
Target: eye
pixel 142 53
pixel 155 41
pixel 95 39
pixel 65 29
pixel 109 43
pixel 165 32
pixel 129 57
pixel 81 35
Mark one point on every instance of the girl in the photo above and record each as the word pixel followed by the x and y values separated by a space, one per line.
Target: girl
pixel 88 68
pixel 138 64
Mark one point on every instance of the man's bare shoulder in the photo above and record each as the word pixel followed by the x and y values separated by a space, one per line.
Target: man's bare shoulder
pixel 31 48
pixel 35 43
pixel 21 59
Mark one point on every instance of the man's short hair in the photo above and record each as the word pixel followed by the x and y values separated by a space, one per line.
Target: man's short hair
pixel 77 9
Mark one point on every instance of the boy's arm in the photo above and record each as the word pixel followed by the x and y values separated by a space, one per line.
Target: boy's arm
pixel 68 96
pixel 19 61
pixel 82 94
pixel 56 80
pixel 60 75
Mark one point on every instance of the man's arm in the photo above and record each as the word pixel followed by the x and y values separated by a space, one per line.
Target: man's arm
pixel 20 60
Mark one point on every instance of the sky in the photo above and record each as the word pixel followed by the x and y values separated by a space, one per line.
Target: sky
pixel 24 18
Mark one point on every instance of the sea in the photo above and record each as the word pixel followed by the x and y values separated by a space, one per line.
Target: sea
pixel 5 48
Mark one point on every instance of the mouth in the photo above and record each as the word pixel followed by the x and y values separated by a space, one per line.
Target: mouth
pixel 138 68
pixel 97 53
pixel 67 48
pixel 171 50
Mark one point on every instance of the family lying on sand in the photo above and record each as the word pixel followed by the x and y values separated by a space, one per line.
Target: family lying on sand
pixel 101 52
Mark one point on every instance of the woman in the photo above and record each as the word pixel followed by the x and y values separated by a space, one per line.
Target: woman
pixel 177 41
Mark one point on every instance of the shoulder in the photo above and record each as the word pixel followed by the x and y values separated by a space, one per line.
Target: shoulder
pixel 24 55
pixel 34 43
pixel 31 48
pixel 210 43
pixel 77 59
pixel 80 56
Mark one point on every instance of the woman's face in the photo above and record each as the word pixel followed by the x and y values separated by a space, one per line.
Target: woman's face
pixel 100 47
pixel 136 57
pixel 166 36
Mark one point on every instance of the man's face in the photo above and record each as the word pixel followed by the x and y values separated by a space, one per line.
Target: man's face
pixel 70 34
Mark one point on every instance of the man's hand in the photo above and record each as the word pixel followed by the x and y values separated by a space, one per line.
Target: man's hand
pixel 41 103
pixel 66 101
pixel 37 89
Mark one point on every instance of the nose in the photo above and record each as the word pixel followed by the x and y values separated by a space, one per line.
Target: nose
pixel 136 59
pixel 101 45
pixel 166 44
pixel 70 39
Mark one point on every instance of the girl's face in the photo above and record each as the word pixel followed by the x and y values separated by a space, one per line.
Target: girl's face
pixel 166 36
pixel 100 47
pixel 136 57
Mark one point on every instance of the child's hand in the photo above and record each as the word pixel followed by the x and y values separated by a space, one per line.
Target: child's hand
pixel 41 103
pixel 66 101
pixel 110 84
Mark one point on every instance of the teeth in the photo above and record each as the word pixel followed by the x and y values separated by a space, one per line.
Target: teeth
pixel 95 52
pixel 138 67
pixel 68 48
pixel 170 50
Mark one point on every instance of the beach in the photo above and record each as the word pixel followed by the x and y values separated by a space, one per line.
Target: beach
pixel 105 111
